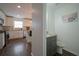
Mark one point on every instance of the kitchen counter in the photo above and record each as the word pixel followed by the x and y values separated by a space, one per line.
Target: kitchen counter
pixel 1 31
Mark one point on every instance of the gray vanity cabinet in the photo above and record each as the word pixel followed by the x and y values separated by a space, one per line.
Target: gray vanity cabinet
pixel 51 45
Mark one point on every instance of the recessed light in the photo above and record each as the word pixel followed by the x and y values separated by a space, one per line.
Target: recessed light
pixel 19 6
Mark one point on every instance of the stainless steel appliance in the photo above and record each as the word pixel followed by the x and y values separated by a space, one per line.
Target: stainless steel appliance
pixel 2 34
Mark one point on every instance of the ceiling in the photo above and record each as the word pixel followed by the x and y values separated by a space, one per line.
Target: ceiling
pixel 11 9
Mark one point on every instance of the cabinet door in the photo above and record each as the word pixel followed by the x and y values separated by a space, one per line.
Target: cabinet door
pixel 2 17
pixel 51 46
pixel 2 40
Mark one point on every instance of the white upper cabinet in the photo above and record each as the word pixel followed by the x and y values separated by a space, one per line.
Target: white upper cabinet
pixel 2 16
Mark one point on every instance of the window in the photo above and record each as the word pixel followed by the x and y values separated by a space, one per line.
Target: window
pixel 18 24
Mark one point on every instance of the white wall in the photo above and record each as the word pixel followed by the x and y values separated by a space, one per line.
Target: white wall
pixel 37 28
pixel 44 29
pixel 50 21
pixel 68 33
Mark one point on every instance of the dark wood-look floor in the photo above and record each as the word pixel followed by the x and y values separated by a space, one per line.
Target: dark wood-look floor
pixel 65 53
pixel 17 47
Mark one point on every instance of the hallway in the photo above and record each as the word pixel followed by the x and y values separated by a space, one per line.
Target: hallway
pixel 17 47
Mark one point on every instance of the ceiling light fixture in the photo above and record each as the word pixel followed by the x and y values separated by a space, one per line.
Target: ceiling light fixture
pixel 19 6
